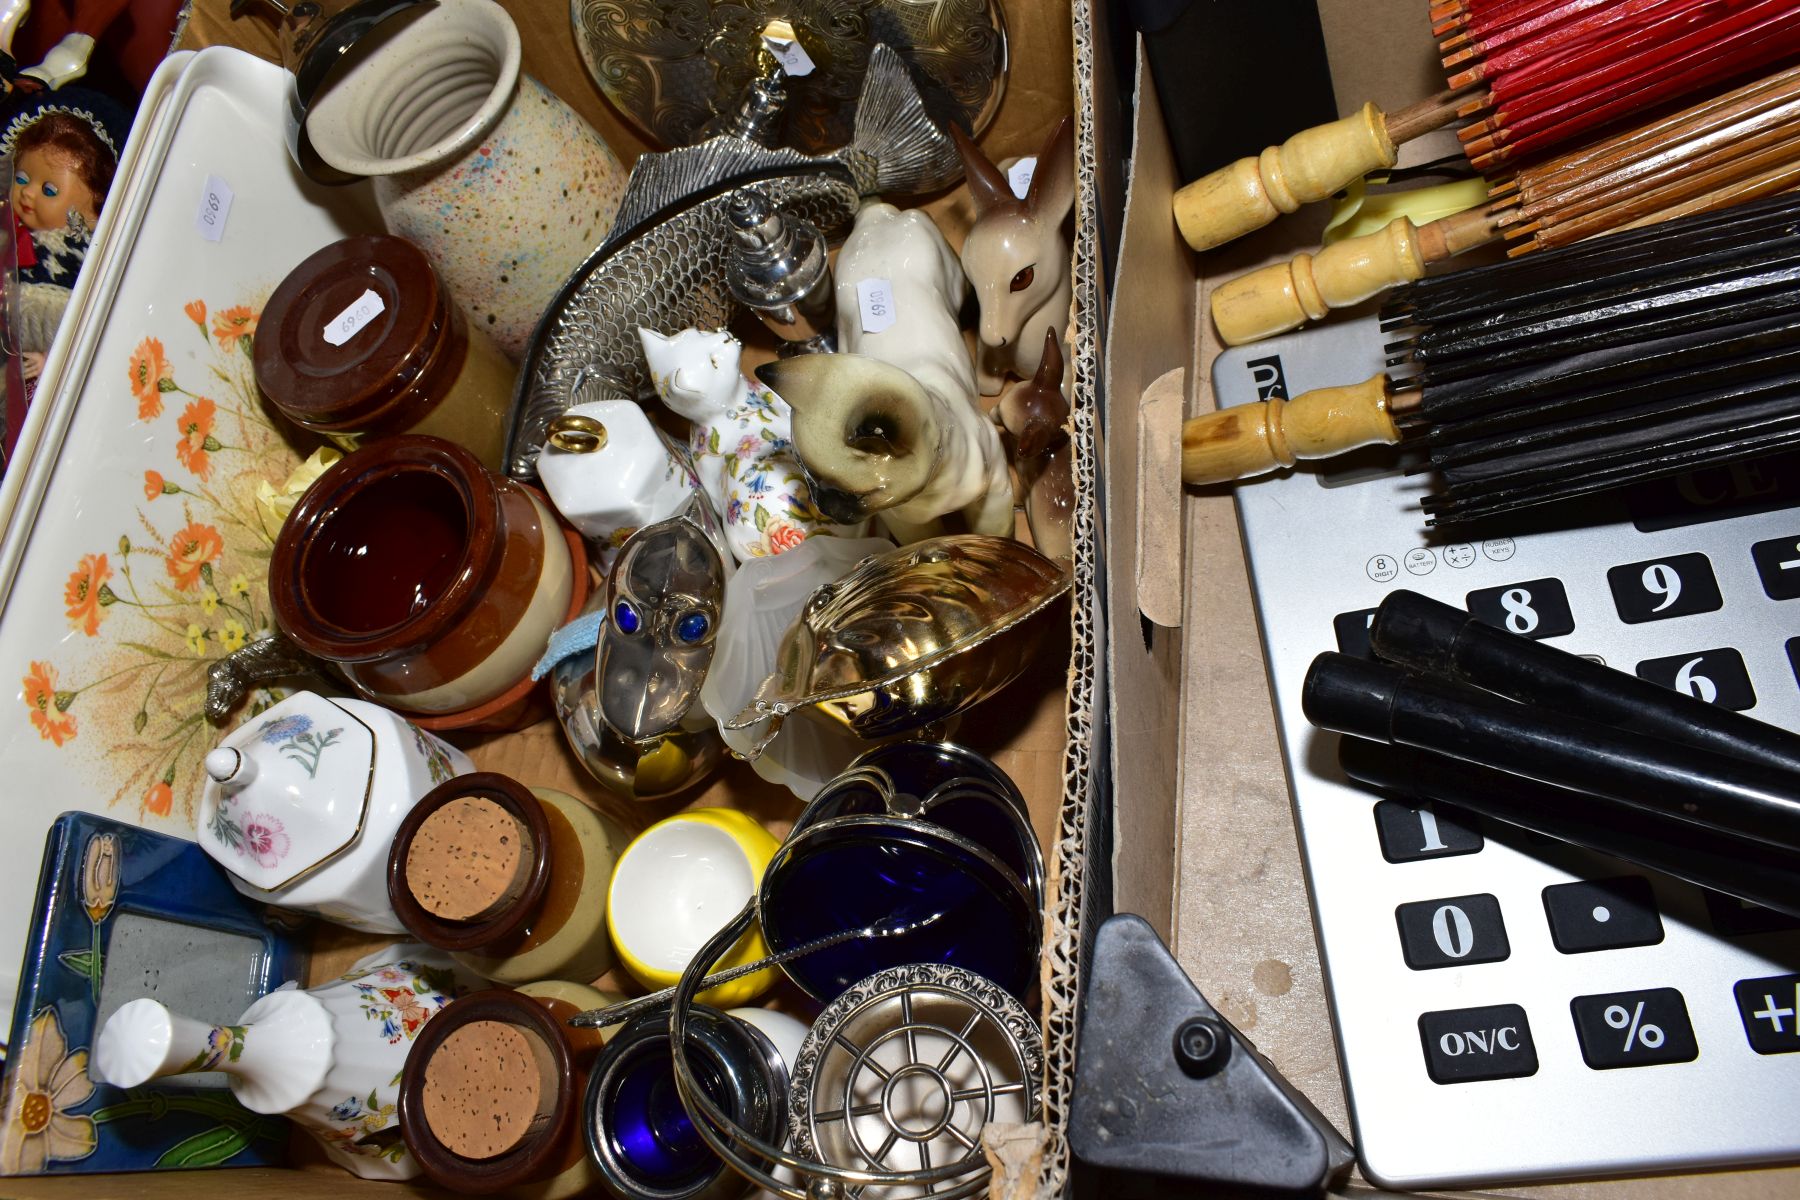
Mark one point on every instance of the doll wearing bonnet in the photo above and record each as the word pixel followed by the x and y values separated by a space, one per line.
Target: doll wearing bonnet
pixel 63 157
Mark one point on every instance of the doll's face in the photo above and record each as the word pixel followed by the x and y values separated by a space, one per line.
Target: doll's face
pixel 46 188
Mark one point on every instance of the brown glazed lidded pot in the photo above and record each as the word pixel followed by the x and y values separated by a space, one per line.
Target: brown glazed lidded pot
pixel 488 1103
pixel 362 341
pixel 511 880
pixel 431 582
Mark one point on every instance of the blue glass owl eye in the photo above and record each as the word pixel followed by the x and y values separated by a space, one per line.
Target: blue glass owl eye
pixel 625 618
pixel 692 627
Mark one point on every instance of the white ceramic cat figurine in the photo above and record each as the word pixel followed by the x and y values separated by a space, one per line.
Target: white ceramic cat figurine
pixel 893 424
pixel 742 443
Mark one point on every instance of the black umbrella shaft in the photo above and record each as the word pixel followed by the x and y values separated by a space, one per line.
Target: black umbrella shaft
pixel 1437 639
pixel 1735 866
pixel 1372 700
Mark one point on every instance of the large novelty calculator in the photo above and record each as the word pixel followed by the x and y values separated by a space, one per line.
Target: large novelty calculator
pixel 1509 1008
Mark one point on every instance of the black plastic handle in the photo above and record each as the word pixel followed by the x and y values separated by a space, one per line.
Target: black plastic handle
pixel 1429 636
pixel 1383 703
pixel 1736 866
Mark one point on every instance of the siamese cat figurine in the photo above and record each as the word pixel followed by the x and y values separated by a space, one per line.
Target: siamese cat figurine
pixel 893 425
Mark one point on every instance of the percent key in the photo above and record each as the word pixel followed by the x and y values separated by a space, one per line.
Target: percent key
pixel 1634 1029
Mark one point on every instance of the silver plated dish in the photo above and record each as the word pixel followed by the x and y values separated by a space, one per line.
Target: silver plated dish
pixel 673 67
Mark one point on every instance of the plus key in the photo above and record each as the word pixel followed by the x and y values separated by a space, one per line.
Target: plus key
pixel 1770 1011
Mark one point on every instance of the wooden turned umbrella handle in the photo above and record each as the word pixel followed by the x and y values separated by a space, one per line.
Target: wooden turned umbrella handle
pixel 1251 439
pixel 1309 166
pixel 1287 295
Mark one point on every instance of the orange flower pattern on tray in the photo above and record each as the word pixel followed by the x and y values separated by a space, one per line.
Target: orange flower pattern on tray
pixel 173 594
pixel 197 441
pixel 191 553
pixel 150 378
pixel 86 595
pixel 232 324
pixel 48 706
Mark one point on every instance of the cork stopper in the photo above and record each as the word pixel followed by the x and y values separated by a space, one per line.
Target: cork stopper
pixel 483 1089
pixel 467 859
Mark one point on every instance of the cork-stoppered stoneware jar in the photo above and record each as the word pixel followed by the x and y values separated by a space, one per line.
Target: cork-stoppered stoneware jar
pixel 500 183
pixel 511 880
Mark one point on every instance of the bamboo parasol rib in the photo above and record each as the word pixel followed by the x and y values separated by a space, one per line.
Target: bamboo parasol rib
pixel 1740 146
pixel 1525 78
pixel 1556 375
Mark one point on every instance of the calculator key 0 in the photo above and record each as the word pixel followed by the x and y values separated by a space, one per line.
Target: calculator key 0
pixel 1767 1009
pixel 1536 608
pixel 1778 564
pixel 1466 1045
pixel 1715 676
pixel 1352 629
pixel 1602 914
pixel 1452 932
pixel 1410 832
pixel 1634 1029
pixel 1659 588
pixel 1732 917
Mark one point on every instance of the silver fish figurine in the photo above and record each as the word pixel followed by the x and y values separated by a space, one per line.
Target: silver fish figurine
pixel 664 265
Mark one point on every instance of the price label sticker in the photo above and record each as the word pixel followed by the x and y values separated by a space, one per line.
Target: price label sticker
pixel 215 207
pixel 1019 175
pixel 790 54
pixel 876 299
pixel 361 311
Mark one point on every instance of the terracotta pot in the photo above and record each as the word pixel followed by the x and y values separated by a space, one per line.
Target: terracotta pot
pixel 511 880
pixel 433 583
pixel 362 341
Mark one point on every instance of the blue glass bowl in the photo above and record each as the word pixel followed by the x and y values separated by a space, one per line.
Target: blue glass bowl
pixel 947 785
pixel 848 872
pixel 639 1134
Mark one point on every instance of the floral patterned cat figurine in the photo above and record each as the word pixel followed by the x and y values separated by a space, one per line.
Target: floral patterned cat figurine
pixel 742 443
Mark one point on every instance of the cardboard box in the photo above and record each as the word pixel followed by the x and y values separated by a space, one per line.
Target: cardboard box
pixel 1203 823
pixel 1044 731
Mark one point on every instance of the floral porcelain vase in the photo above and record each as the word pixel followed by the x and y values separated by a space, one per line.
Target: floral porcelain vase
pixel 302 802
pixel 329 1058
pixel 500 183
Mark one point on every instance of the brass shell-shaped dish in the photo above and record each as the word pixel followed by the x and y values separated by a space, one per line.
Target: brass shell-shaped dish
pixel 910 637
pixel 672 66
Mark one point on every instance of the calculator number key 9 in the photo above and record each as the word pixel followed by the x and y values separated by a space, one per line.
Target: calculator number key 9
pixel 1660 588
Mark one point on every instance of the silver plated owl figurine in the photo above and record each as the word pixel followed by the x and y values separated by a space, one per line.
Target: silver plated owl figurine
pixel 629 707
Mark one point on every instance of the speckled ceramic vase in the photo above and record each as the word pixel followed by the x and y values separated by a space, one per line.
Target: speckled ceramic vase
pixel 500 183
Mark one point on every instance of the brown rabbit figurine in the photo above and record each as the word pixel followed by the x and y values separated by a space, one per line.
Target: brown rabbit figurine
pixel 1017 257
pixel 1036 416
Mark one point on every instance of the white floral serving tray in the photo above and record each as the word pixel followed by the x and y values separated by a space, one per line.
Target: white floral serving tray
pixel 135 544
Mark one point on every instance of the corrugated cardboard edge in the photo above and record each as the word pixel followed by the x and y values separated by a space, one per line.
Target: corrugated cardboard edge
pixel 1068 874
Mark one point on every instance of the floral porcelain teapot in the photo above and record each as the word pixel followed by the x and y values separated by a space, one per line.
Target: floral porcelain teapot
pixel 329 1058
pixel 303 801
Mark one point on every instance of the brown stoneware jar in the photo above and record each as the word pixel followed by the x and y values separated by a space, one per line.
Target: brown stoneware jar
pixel 433 583
pixel 511 880
pixel 489 1103
pixel 361 342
